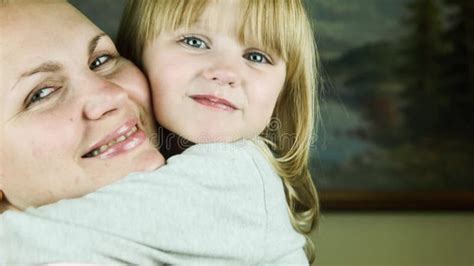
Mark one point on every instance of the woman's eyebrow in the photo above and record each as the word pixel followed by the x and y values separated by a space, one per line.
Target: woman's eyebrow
pixel 49 66
pixel 52 66
pixel 93 43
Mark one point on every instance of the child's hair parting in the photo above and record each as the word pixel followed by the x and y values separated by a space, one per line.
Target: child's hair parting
pixel 281 27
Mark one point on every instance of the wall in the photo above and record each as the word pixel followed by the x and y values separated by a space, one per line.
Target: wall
pixel 357 238
pixel 105 14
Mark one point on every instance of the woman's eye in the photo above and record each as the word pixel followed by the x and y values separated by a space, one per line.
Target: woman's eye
pixel 99 61
pixel 41 94
pixel 257 58
pixel 195 42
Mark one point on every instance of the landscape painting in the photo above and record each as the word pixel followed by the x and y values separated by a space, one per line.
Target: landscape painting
pixel 397 104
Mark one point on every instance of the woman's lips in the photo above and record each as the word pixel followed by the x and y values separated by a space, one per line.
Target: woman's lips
pixel 125 138
pixel 214 102
pixel 131 142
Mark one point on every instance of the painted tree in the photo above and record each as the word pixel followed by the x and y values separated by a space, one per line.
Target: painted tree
pixel 459 68
pixel 423 50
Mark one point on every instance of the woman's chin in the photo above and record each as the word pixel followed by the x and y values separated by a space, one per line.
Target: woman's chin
pixel 149 161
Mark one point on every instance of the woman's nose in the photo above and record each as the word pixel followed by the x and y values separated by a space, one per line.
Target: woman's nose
pixel 223 74
pixel 106 99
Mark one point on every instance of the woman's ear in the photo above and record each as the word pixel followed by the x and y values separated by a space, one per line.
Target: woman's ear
pixel 3 201
pixel 1 188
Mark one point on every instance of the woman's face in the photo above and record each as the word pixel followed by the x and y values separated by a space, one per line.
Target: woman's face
pixel 74 115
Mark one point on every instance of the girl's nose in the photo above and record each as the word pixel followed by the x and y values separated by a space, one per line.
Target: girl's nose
pixel 106 99
pixel 223 75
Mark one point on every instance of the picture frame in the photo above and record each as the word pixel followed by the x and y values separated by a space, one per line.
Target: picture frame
pixel 396 104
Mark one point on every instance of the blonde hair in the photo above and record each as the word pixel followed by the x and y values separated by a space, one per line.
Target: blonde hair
pixel 282 27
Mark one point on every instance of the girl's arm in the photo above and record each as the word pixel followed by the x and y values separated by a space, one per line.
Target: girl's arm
pixel 205 206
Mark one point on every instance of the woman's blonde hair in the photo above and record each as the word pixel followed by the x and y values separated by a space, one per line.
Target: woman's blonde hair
pixel 281 27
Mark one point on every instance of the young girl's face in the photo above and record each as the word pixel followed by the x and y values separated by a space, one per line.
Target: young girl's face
pixel 206 85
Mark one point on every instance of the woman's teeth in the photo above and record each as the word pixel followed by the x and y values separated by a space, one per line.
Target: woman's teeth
pixel 105 147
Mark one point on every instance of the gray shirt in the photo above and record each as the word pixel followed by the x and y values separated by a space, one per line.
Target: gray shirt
pixel 215 203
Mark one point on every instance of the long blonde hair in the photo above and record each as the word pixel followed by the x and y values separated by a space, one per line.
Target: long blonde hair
pixel 282 27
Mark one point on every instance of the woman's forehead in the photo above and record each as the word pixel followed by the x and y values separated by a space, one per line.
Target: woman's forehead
pixel 48 20
pixel 41 32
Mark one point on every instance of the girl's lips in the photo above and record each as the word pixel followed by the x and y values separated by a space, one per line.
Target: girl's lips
pixel 214 102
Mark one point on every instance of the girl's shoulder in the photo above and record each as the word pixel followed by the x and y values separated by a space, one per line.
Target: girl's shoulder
pixel 222 147
pixel 237 150
pixel 244 157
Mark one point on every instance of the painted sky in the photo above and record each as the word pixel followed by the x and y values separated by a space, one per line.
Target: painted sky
pixel 343 24
pixel 339 24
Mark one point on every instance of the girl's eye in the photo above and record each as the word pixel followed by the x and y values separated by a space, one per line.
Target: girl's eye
pixel 257 58
pixel 195 42
pixel 40 95
pixel 99 61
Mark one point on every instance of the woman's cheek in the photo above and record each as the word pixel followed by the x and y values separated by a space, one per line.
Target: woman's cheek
pixel 133 81
pixel 54 134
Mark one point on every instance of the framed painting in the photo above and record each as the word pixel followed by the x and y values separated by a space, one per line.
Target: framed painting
pixel 396 104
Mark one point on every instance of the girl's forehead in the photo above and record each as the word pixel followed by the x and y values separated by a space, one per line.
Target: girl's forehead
pixel 227 18
pixel 219 16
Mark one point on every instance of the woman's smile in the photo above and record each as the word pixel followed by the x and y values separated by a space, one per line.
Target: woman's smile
pixel 84 115
pixel 124 139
